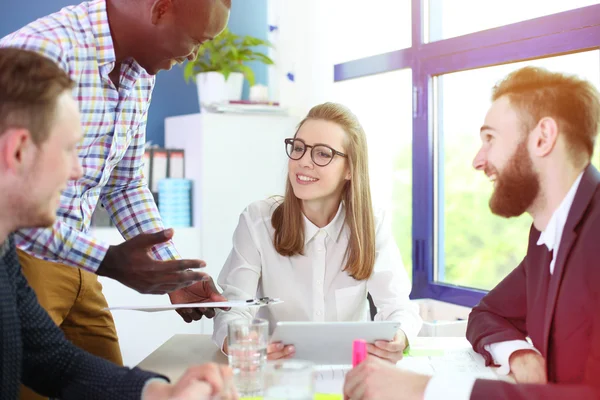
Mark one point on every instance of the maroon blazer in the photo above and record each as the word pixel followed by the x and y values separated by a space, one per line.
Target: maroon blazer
pixel 560 313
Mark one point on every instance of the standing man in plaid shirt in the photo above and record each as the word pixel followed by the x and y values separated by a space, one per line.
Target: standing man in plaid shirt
pixel 112 49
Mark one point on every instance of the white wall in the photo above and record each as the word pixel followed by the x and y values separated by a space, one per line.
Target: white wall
pixel 302 48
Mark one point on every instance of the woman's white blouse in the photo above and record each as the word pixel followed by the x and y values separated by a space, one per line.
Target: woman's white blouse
pixel 313 286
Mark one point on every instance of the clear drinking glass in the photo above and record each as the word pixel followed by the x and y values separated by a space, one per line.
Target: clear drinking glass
pixel 289 380
pixel 247 347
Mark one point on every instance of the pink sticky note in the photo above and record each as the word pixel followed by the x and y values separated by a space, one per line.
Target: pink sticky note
pixel 359 352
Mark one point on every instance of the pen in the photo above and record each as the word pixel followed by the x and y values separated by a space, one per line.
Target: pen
pixel 359 352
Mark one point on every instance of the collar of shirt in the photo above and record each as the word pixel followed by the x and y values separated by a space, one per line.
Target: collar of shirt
pixel 100 28
pixel 333 229
pixel 552 235
pixel 105 48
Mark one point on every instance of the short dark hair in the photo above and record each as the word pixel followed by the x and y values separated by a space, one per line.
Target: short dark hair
pixel 573 102
pixel 30 85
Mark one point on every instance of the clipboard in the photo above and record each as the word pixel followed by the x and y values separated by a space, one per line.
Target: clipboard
pixel 261 302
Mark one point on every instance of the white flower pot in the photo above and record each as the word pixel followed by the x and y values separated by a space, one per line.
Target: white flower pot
pixel 212 87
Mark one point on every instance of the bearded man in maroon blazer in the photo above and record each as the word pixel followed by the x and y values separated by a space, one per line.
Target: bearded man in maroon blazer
pixel 541 324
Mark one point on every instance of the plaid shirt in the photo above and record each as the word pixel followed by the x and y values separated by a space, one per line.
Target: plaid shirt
pixel 114 124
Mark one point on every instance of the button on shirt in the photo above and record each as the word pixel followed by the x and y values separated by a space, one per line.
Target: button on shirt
pixel 501 352
pixel 313 286
pixel 78 39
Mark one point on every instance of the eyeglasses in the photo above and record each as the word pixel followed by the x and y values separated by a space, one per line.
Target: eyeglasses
pixel 321 154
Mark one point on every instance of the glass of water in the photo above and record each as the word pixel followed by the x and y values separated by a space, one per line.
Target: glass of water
pixel 247 347
pixel 289 380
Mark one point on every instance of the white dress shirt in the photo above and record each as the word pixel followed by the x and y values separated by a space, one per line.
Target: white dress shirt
pixel 501 351
pixel 313 286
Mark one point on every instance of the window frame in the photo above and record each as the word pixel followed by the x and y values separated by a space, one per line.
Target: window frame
pixel 552 35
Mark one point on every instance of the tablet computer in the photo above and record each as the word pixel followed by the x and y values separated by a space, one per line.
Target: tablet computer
pixel 331 342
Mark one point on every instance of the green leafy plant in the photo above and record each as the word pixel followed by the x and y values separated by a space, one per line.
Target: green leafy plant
pixel 227 53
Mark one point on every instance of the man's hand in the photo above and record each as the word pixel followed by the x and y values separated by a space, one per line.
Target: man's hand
pixel 375 379
pixel 131 264
pixel 200 292
pixel 391 351
pixel 201 382
pixel 527 366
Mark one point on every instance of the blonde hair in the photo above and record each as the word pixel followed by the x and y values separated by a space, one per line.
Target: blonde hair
pixel 573 102
pixel 356 195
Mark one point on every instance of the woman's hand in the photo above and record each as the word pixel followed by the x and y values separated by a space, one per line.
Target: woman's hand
pixel 390 351
pixel 278 350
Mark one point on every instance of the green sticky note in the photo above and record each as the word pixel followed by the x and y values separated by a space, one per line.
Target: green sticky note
pixel 426 353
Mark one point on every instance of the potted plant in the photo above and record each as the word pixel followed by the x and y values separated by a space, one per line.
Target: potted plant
pixel 219 68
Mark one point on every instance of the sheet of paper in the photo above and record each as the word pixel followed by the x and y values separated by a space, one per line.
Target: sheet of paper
pixel 166 307
pixel 329 379
pixel 462 361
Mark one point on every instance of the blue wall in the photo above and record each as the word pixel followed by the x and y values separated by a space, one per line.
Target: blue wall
pixel 172 96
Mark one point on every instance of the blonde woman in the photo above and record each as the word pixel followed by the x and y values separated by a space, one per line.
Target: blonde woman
pixel 321 248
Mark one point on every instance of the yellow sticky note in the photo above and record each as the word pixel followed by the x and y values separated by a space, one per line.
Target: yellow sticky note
pixel 322 396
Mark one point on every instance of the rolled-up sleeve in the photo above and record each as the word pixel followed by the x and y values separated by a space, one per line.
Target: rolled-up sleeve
pixel 239 277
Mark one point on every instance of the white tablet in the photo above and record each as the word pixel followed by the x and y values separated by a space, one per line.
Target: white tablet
pixel 331 342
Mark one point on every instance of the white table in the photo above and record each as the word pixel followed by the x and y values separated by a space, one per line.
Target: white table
pixel 182 351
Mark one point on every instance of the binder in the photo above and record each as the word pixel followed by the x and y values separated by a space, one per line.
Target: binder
pixel 163 163
pixel 174 202
pixel 158 168
pixel 176 166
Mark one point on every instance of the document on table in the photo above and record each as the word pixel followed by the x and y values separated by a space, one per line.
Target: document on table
pixel 220 304
pixel 462 361
pixel 330 378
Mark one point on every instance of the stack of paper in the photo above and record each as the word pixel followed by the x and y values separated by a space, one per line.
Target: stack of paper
pixel 246 108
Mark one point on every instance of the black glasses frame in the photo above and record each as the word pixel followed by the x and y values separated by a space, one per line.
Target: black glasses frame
pixel 290 141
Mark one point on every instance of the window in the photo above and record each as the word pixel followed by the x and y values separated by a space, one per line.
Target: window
pixel 450 18
pixel 475 248
pixel 361 28
pixel 383 105
pixel 453 255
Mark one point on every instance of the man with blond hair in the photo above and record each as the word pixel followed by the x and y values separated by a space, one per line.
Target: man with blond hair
pixel 537 144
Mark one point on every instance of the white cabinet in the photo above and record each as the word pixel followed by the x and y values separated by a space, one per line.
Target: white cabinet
pixel 233 160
